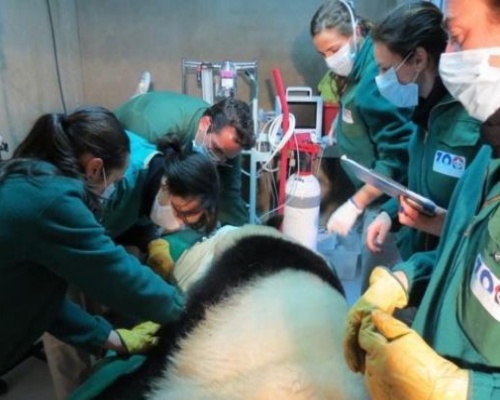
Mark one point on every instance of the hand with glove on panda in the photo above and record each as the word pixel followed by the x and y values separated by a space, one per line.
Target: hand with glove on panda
pixel 159 258
pixel 138 340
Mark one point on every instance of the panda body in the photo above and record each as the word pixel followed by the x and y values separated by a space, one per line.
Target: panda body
pixel 264 320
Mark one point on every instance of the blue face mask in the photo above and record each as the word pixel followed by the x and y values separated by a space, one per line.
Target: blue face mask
pixel 398 94
pixel 109 190
pixel 203 149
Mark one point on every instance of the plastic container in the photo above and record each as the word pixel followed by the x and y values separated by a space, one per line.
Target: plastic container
pixel 342 253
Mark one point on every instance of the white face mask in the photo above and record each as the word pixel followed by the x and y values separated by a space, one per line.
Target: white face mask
pixel 470 79
pixel 342 62
pixel 164 215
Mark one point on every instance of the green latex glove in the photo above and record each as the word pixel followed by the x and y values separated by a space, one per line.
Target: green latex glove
pixel 141 338
pixel 401 366
pixel 386 293
pixel 159 258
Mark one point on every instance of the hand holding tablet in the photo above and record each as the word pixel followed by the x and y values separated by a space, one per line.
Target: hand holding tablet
pixel 390 187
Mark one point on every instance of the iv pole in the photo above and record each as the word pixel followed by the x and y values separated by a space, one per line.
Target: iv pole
pixel 219 80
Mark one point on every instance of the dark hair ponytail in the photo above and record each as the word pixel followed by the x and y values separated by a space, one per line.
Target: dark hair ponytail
pixel 412 25
pixel 190 173
pixel 63 139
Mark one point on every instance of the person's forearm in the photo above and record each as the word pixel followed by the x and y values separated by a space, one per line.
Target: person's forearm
pixel 365 196
pixel 114 343
pixel 401 276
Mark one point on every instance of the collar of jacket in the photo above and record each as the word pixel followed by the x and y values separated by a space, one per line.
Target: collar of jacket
pixel 363 58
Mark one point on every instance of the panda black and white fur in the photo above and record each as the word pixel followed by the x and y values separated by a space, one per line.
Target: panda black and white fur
pixel 264 320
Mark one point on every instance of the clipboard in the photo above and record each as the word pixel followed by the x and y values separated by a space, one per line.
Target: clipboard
pixel 390 186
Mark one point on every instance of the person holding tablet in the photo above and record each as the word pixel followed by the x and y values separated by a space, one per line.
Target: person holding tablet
pixel 451 350
pixel 408 46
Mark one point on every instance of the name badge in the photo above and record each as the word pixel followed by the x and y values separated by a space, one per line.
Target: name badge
pixel 485 286
pixel 449 164
pixel 347 116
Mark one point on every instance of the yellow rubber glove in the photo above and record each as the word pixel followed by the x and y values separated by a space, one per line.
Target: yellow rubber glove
pixel 386 293
pixel 159 258
pixel 141 338
pixel 401 366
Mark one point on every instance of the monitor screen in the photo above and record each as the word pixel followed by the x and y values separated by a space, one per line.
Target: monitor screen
pixel 305 113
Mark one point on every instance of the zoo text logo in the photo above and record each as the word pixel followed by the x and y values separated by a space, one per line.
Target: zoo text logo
pixel 449 164
pixel 486 288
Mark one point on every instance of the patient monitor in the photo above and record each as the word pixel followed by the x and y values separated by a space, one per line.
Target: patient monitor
pixel 307 110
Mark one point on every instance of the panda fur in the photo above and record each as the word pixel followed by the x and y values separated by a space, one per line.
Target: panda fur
pixel 264 320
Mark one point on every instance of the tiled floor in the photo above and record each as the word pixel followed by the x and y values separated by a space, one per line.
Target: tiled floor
pixel 31 379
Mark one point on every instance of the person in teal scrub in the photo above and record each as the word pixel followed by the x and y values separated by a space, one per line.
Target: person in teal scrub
pixel 451 351
pixel 408 45
pixel 50 190
pixel 222 130
pixel 166 186
pixel 369 129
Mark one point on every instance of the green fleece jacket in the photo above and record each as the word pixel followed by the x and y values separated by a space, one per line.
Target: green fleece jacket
pixel 439 156
pixel 369 129
pixel 49 237
pixel 459 315
pixel 154 114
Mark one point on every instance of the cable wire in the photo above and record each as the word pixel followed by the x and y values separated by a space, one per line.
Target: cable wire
pixel 56 58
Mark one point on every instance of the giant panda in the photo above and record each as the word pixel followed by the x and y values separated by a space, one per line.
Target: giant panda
pixel 264 319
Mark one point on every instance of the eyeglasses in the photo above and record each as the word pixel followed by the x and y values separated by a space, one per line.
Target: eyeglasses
pixel 215 153
pixel 181 214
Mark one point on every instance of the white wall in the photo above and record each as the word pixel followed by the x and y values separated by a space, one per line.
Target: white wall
pixel 102 46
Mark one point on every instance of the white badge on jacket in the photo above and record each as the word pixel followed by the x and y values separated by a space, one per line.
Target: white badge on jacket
pixel 449 164
pixel 484 284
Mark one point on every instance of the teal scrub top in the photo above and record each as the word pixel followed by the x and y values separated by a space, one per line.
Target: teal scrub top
pixel 152 115
pixel 125 208
pixel 439 156
pixel 459 315
pixel 48 238
pixel 369 129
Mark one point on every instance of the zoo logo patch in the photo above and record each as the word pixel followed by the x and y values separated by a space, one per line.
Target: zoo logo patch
pixel 449 164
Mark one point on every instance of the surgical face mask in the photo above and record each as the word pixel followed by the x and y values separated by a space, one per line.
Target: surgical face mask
pixel 470 78
pixel 164 215
pixel 109 190
pixel 203 149
pixel 342 62
pixel 398 94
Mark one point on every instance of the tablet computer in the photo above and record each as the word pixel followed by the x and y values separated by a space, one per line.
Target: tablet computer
pixel 390 186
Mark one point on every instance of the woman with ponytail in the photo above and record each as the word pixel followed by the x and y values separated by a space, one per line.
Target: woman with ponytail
pixel 165 188
pixel 50 192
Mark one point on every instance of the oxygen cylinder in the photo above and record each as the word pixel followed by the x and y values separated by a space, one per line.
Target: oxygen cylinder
pixel 301 213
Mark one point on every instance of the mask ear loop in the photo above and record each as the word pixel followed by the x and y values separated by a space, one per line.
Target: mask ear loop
pixel 410 54
pixel 104 177
pixel 404 60
pixel 353 24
